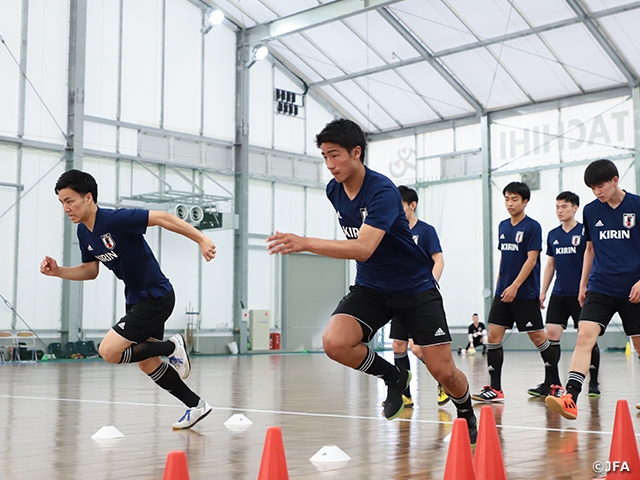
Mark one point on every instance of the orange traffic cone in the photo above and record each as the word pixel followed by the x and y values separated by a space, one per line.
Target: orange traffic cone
pixel 624 462
pixel 176 467
pixel 488 460
pixel 273 465
pixel 459 464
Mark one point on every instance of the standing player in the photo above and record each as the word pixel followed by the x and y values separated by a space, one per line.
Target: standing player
pixel 427 238
pixel 393 275
pixel 610 279
pixel 518 290
pixel 565 251
pixel 115 238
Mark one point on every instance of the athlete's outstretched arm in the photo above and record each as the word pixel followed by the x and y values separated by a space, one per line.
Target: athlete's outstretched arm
pixel 547 276
pixel 84 271
pixel 170 222
pixel 359 249
pixel 587 263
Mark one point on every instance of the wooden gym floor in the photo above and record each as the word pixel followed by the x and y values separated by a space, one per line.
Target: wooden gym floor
pixel 49 411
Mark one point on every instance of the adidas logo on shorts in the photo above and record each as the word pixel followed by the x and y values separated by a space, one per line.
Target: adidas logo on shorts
pixel 121 325
pixel 529 324
pixel 438 333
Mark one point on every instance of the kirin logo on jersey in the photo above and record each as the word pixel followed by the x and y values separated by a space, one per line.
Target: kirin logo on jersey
pixel 575 240
pixel 363 214
pixel 629 220
pixel 519 237
pixel 107 239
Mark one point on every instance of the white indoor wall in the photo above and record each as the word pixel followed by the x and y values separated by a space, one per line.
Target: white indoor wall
pixel 47 45
pixel 458 222
pixel 289 131
pixel 9 72
pixel 41 223
pixel 317 117
pixel 219 83
pixel 261 104
pixel 183 52
pixel 8 195
pixel 101 74
pixel 142 62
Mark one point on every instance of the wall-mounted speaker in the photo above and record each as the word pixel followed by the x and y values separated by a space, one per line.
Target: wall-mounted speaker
pixel 182 212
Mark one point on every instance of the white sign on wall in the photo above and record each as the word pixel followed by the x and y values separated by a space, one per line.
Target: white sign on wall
pixel 394 158
pixel 584 131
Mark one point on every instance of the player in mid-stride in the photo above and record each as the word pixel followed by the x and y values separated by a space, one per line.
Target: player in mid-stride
pixel 115 239
pixel 610 280
pixel 393 275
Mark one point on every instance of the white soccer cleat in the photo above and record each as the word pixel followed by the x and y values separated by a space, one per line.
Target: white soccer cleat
pixel 179 359
pixel 193 416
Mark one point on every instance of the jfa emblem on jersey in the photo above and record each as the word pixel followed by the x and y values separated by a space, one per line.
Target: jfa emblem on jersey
pixel 416 238
pixel 363 214
pixel 575 240
pixel 629 220
pixel 107 239
pixel 519 237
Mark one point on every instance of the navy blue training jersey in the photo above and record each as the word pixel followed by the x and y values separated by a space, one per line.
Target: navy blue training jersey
pixel 426 237
pixel 567 249
pixel 616 245
pixel 398 266
pixel 515 242
pixel 117 241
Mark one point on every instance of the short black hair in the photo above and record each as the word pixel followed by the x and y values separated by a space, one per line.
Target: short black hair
pixel 600 171
pixel 345 133
pixel 409 195
pixel 474 315
pixel 569 197
pixel 78 181
pixel 518 188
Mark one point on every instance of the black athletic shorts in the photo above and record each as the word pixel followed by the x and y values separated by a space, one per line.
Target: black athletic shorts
pixel 524 312
pixel 422 314
pixel 561 308
pixel 146 319
pixel 599 308
pixel 398 331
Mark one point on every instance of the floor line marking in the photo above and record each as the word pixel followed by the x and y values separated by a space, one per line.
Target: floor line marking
pixel 302 414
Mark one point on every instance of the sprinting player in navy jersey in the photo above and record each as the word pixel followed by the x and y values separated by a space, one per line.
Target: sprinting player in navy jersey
pixel 427 238
pixel 610 280
pixel 393 275
pixel 115 238
pixel 518 290
pixel 565 251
